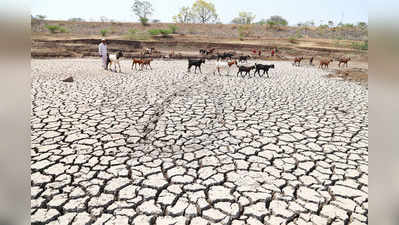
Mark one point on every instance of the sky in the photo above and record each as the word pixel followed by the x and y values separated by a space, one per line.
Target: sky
pixel 319 11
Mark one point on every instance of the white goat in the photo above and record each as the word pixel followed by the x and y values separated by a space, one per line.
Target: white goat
pixel 114 59
pixel 221 64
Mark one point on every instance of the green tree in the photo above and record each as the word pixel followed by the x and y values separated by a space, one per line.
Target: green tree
pixel 204 12
pixel 76 20
pixel 244 18
pixel 184 16
pixel 362 25
pixel 142 9
pixel 277 20
pixel 40 17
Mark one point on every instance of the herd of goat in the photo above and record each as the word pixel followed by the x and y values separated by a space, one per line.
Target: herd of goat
pixel 224 60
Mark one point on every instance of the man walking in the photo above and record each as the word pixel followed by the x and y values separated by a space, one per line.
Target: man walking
pixel 102 50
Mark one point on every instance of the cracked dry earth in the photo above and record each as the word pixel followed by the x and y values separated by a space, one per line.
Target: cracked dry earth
pixel 167 147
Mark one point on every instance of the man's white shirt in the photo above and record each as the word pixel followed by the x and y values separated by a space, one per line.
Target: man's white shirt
pixel 102 49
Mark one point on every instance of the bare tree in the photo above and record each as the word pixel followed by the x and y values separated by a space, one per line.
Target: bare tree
pixel 142 9
pixel 184 16
pixel 204 12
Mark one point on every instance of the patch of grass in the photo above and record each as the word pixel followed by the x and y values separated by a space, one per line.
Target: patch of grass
pixel 55 28
pixel 341 44
pixel 244 31
pixel 154 31
pixel 63 30
pixel 293 40
pixel 164 32
pixel 361 46
pixel 137 36
pixel 144 21
pixel 298 34
pixel 173 28
pixel 132 31
pixel 103 32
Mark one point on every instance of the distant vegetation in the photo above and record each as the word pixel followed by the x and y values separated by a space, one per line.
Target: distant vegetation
pixel 164 32
pixel 39 17
pixel 244 18
pixel 277 21
pixel 104 32
pixel 361 46
pixel 142 9
pixel 173 28
pixel 200 12
pixel 76 20
pixel 55 28
pixel 244 31
pixel 134 34
pixel 205 12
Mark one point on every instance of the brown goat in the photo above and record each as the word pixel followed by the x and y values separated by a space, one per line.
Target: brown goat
pixel 324 63
pixel 297 61
pixel 146 63
pixel 343 61
pixel 136 62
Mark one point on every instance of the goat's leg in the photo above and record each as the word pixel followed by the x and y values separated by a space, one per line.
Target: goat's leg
pixel 150 66
pixel 200 69
pixel 119 65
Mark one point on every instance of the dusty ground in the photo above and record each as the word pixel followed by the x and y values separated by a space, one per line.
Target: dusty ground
pixel 170 147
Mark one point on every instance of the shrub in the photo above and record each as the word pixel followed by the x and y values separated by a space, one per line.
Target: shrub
pixel 144 21
pixel 165 32
pixel 262 22
pixel 103 32
pixel 173 28
pixel 277 20
pixel 324 26
pixel 76 19
pixel 361 46
pixel 63 30
pixel 154 31
pixel 52 28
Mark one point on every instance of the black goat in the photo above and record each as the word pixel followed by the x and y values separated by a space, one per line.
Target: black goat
pixel 225 56
pixel 246 69
pixel 196 63
pixel 265 68
pixel 244 58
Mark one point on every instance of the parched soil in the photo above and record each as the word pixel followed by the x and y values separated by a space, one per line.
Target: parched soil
pixel 359 75
pixel 167 146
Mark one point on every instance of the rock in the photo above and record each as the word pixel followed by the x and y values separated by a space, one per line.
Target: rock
pixel 69 80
